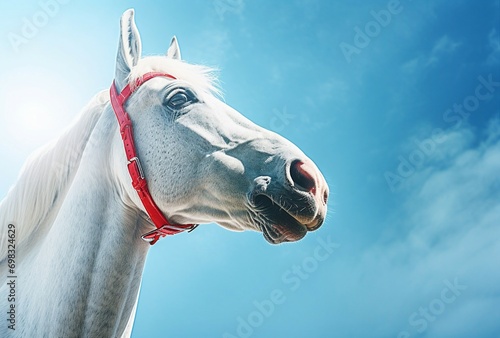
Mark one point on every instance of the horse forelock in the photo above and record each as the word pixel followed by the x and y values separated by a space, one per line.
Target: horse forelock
pixel 201 77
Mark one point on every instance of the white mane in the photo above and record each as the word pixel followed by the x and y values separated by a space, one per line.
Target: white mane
pixel 46 176
pixel 201 77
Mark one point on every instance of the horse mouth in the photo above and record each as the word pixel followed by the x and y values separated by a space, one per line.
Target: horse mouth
pixel 277 224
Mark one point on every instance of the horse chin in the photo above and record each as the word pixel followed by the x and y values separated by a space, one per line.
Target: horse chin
pixel 276 223
pixel 276 234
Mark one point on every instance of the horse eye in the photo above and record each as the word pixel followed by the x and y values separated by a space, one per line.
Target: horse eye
pixel 180 99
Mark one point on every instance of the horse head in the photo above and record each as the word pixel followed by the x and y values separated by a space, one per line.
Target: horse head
pixel 204 161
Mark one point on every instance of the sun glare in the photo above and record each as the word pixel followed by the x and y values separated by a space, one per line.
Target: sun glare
pixel 35 107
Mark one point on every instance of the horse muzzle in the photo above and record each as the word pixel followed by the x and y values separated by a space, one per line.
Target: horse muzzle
pixel 287 210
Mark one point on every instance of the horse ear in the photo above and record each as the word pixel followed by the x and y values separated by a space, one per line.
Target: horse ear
pixel 129 49
pixel 174 51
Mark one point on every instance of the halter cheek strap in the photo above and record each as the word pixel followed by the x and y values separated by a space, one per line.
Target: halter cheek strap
pixel 163 226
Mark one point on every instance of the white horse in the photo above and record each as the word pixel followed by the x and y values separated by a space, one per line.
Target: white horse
pixel 72 250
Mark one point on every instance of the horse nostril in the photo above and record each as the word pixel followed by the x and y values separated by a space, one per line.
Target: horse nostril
pixel 302 177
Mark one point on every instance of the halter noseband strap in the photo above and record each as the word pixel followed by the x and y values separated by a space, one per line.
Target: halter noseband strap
pixel 163 226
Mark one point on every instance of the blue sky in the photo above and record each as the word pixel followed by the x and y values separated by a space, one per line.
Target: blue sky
pixel 402 115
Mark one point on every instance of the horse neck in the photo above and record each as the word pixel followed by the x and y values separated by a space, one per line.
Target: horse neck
pixel 86 276
pixel 34 201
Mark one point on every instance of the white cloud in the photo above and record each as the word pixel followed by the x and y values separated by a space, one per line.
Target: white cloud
pixel 445 44
pixel 454 213
pixel 411 65
pixel 447 228
pixel 441 48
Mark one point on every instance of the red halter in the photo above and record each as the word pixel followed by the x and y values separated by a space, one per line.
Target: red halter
pixel 163 226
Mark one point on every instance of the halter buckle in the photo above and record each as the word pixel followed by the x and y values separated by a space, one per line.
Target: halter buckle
pixel 167 229
pixel 139 166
